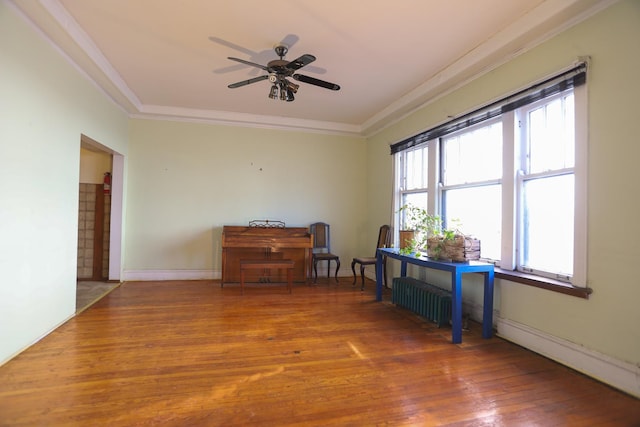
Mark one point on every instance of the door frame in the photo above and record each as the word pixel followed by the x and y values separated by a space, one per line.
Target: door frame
pixel 117 205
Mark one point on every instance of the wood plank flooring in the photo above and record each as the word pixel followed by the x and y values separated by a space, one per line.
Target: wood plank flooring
pixel 193 354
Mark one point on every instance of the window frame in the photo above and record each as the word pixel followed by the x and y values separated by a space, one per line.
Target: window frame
pixel 524 174
pixel 506 267
pixel 443 186
pixel 400 189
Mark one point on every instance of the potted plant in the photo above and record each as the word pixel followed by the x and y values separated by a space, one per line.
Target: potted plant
pixel 429 235
pixel 453 245
pixel 417 226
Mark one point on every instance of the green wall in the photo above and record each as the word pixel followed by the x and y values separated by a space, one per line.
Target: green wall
pixel 45 106
pixel 188 180
pixel 608 321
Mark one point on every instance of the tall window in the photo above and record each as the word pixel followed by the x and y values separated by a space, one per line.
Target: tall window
pixel 512 174
pixel 471 184
pixel 413 179
pixel 546 186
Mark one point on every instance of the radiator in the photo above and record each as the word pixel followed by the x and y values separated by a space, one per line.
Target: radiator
pixel 424 299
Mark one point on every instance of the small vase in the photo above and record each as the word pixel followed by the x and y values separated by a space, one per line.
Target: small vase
pixel 406 238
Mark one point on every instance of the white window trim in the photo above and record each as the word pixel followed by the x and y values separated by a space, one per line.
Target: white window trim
pixel 509 205
pixel 580 249
pixel 510 153
pixel 435 196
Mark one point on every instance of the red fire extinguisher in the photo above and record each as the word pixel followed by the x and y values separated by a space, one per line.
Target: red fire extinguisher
pixel 106 183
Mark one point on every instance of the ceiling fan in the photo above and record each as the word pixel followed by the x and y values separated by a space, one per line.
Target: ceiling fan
pixel 279 70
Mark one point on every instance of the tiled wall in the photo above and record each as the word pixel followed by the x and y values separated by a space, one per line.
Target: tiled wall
pixel 86 230
pixel 86 227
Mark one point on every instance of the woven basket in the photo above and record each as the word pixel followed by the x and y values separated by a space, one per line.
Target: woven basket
pixel 459 249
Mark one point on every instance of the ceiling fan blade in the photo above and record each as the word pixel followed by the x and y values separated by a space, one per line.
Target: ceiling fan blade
pixel 253 64
pixel 232 45
pixel 298 63
pixel 317 82
pixel 247 82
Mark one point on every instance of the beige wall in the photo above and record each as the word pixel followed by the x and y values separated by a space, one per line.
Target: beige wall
pixel 188 180
pixel 93 165
pixel 45 106
pixel 608 322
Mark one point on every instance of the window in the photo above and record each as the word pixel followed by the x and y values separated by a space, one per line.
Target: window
pixel 471 184
pixel 413 179
pixel 512 174
pixel 546 187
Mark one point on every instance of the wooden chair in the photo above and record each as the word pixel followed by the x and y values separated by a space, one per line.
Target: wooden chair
pixel 322 249
pixel 384 240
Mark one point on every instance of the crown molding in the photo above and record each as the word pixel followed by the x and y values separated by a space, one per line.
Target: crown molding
pixel 540 24
pixel 228 118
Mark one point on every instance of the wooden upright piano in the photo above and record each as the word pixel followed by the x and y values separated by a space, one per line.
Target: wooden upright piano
pixel 239 242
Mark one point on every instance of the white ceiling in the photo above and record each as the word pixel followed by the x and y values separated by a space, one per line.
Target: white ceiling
pixel 168 58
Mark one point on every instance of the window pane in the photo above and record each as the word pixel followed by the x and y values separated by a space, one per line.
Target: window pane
pixel 415 199
pixel 416 172
pixel 479 210
pixel 548 224
pixel 473 156
pixel 551 136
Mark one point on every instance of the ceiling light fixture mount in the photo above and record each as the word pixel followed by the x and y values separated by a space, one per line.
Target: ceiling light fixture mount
pixel 281 50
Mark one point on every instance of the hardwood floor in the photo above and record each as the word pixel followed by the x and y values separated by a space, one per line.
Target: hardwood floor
pixel 191 353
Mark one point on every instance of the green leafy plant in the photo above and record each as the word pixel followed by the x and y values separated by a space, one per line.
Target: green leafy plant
pixel 437 243
pixel 422 224
pixel 429 233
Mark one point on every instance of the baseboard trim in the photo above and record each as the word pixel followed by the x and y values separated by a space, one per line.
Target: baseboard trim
pixel 149 275
pixel 146 275
pixel 616 373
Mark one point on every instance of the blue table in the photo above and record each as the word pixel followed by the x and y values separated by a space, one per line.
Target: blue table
pixel 457 269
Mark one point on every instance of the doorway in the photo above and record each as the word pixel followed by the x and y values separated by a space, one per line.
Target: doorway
pixel 99 222
pixel 94 213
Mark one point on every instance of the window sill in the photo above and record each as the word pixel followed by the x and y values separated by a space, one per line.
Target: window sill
pixel 543 283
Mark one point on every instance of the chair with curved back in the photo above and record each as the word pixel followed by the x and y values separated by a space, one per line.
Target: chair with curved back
pixel 384 240
pixel 322 249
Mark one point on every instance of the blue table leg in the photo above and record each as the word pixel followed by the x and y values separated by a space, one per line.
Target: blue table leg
pixel 456 309
pixel 403 268
pixel 378 276
pixel 487 315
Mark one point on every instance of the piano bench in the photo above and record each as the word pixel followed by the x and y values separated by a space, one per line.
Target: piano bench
pixel 262 264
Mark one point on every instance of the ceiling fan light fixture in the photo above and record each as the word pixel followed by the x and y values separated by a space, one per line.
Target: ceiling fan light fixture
pixel 292 86
pixel 273 93
pixel 283 93
pixel 289 96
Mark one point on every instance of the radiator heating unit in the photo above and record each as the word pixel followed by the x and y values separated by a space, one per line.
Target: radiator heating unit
pixel 424 299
